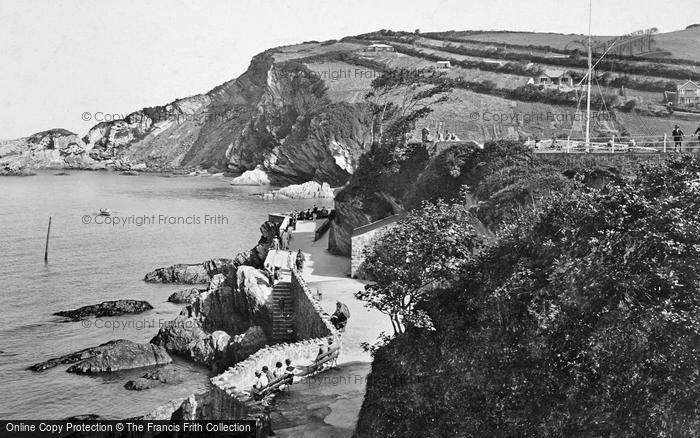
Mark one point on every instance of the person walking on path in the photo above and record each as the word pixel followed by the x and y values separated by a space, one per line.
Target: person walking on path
pixel 276 243
pixel 291 261
pixel 285 239
pixel 300 260
pixel 677 139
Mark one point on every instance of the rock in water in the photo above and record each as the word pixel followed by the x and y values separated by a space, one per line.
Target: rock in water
pixel 256 177
pixel 165 375
pixel 199 273
pixel 107 308
pixel 119 354
pixel 122 355
pixel 185 296
pixel 307 190
pixel 180 274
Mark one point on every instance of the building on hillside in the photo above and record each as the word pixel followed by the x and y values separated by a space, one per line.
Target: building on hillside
pixel 364 236
pixel 443 65
pixel 554 79
pixel 688 94
pixel 372 48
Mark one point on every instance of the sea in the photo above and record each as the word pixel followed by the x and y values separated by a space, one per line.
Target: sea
pixel 155 221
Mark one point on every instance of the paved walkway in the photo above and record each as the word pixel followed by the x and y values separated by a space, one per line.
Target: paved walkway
pixel 328 404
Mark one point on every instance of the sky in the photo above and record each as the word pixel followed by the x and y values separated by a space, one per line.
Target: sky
pixel 62 58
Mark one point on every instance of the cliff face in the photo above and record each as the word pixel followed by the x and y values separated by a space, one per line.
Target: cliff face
pixel 55 148
pixel 276 116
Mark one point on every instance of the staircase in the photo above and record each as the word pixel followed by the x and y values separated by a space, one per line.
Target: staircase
pixel 282 313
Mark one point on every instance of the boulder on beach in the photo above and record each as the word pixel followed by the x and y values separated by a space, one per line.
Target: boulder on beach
pixel 119 354
pixel 107 308
pixel 185 296
pixel 165 375
pixel 255 177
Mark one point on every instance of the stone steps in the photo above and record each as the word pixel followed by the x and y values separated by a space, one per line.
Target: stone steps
pixel 282 327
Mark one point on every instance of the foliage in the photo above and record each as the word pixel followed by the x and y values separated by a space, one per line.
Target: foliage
pixel 582 319
pixel 422 250
pixel 400 97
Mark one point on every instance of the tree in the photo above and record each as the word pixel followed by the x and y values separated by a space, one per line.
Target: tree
pixel 422 250
pixel 400 97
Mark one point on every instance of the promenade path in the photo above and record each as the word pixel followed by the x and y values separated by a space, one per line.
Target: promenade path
pixel 328 404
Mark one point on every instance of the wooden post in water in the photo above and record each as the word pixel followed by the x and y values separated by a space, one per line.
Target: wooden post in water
pixel 46 250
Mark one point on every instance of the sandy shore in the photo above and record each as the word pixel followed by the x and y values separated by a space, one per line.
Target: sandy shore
pixel 328 405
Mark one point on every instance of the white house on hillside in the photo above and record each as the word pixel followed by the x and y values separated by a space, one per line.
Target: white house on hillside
pixel 443 65
pixel 688 94
pixel 554 79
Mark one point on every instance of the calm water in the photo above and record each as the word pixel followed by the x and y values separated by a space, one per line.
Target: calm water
pixel 91 263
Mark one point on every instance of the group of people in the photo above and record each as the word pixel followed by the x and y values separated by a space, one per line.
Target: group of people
pixel 427 136
pixel 264 377
pixel 310 214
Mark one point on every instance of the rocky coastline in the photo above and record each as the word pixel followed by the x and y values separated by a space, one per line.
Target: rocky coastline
pixel 220 324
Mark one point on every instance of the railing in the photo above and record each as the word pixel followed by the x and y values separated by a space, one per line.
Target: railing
pixel 615 144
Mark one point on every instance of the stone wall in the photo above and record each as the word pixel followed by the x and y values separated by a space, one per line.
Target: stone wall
pixel 230 397
pixel 240 377
pixel 312 325
pixel 310 321
pixel 363 237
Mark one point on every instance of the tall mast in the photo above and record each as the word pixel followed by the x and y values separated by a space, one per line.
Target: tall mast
pixel 590 73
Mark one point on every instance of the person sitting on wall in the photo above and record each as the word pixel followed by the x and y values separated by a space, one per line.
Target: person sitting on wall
pixel 322 349
pixel 269 374
pixel 289 368
pixel 332 346
pixel 339 319
pixel 259 383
